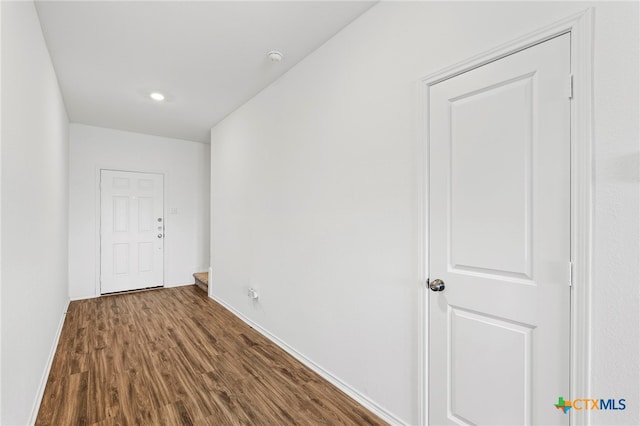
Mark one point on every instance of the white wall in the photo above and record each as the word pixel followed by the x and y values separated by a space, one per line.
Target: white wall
pixel 316 195
pixel 0 212
pixel 616 299
pixel 34 210
pixel 186 168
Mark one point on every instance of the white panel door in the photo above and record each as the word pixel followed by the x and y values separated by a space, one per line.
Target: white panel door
pixel 499 241
pixel 131 231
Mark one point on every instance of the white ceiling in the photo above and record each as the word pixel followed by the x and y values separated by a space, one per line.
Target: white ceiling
pixel 208 58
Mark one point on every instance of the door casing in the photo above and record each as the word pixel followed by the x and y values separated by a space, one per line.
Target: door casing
pixel 580 26
pixel 97 176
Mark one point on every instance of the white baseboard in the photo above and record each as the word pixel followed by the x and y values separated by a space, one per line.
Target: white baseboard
pixel 93 296
pixel 47 370
pixel 354 394
pixel 176 285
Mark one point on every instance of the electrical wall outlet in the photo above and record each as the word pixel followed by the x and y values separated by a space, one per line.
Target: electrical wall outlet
pixel 253 294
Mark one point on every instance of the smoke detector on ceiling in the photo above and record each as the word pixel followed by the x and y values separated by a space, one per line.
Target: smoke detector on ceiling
pixel 274 56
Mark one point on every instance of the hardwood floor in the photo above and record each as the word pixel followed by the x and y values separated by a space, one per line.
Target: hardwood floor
pixel 175 357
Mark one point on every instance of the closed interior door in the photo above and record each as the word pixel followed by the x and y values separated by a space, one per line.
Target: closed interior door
pixel 499 241
pixel 131 231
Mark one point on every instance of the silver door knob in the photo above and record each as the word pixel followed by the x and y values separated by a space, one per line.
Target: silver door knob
pixel 159 235
pixel 436 285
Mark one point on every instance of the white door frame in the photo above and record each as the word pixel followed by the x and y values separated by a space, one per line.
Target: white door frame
pixel 98 212
pixel 580 26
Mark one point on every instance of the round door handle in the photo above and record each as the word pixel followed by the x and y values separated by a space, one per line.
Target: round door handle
pixel 436 285
pixel 160 235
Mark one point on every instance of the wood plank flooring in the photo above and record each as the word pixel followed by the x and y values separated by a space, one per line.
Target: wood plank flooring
pixel 175 357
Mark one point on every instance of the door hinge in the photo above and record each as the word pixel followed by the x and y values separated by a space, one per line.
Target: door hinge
pixel 570 274
pixel 570 87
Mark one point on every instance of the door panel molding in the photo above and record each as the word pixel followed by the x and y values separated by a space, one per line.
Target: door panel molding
pixel 580 26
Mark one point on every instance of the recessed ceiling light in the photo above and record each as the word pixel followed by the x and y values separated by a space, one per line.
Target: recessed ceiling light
pixel 157 96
